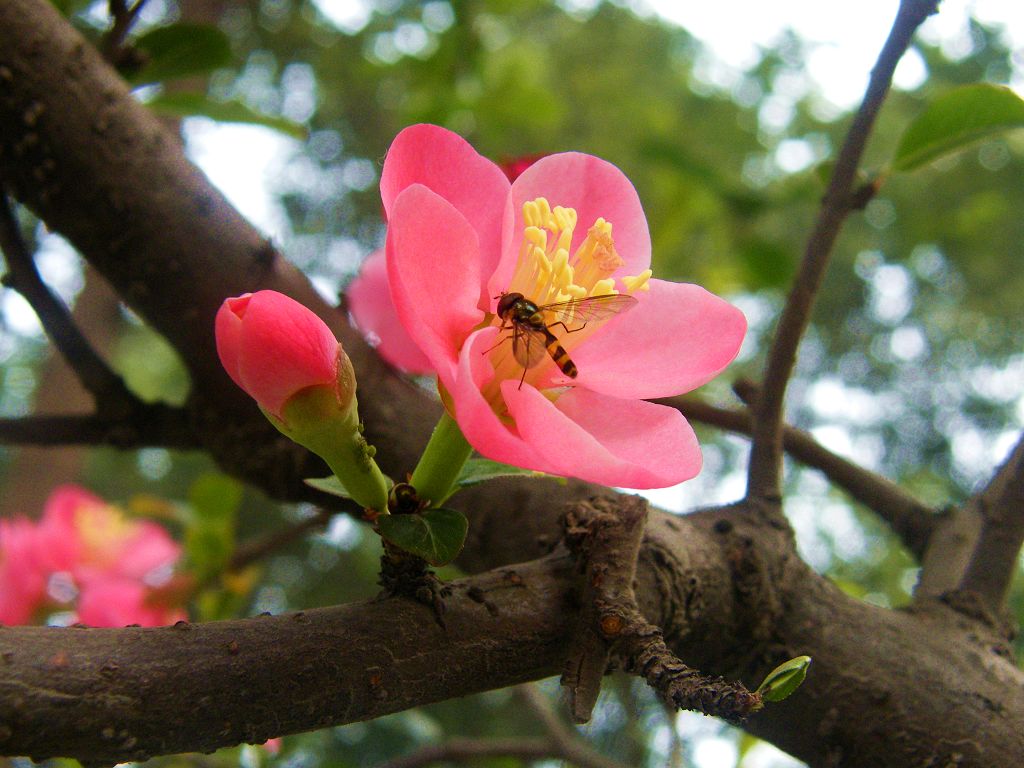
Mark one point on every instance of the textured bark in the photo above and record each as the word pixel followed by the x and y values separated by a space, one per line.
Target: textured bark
pixel 887 688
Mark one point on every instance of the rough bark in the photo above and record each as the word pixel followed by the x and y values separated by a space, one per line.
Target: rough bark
pixel 887 688
pixel 930 686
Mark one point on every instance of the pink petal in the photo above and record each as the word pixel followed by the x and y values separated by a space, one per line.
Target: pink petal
pixel 596 189
pixel 22 575
pixel 369 300
pixel 434 273
pixel 119 602
pixel 275 347
pixel 149 549
pixel 624 443
pixel 677 338
pixel 479 424
pixel 447 164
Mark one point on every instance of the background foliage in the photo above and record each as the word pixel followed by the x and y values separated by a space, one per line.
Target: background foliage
pixel 913 365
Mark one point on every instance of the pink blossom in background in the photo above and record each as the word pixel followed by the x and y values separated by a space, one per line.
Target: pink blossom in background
pixel 85 556
pixel 273 347
pixel 460 236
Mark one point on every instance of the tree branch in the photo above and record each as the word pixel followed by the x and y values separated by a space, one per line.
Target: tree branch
pixel 910 519
pixel 142 425
pixel 105 385
pixel 765 469
pixel 124 694
pixel 993 563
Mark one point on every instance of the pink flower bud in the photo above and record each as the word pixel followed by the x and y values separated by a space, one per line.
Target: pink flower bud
pixel 273 347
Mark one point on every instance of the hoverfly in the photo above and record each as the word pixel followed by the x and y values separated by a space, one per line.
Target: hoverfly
pixel 531 329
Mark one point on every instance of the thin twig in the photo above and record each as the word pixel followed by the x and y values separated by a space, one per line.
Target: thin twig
pixel 572 746
pixel 467 750
pixel 123 18
pixel 22 276
pixel 909 518
pixel 1001 503
pixel 256 549
pixel 765 469
pixel 605 536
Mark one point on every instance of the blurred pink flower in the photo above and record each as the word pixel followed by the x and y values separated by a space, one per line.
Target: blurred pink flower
pixel 460 237
pixel 273 347
pixel 85 555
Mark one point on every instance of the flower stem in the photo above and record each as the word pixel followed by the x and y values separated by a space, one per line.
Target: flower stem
pixel 441 462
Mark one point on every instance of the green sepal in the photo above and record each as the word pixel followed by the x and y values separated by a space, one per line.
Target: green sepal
pixel 956 119
pixel 784 679
pixel 332 485
pixel 437 535
pixel 476 471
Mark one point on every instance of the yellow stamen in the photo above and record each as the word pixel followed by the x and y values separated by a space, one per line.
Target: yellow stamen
pixel 638 282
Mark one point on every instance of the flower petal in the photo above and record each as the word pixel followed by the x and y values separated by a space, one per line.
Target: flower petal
pixel 369 300
pixel 434 272
pixel 273 346
pixel 477 420
pixel 447 164
pixel 625 443
pixel 596 189
pixel 677 338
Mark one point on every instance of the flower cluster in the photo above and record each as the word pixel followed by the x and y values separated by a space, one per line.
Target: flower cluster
pixel 461 238
pixel 84 556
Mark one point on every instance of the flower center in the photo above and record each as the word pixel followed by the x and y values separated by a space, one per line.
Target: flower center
pixel 548 274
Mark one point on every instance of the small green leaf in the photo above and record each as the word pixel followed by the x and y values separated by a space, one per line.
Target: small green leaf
pixel 190 104
pixel 180 50
pixel 956 119
pixel 331 485
pixel 437 535
pixel 476 471
pixel 210 533
pixel 784 679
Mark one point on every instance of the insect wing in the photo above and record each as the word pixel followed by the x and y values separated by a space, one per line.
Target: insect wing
pixel 528 345
pixel 592 308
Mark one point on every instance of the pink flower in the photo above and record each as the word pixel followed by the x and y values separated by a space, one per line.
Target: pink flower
pixel 84 554
pixel 460 237
pixel 274 347
pixel 369 300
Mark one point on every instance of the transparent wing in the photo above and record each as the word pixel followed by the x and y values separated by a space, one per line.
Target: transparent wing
pixel 577 311
pixel 528 345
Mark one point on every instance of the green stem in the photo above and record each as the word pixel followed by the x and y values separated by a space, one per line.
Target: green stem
pixel 441 462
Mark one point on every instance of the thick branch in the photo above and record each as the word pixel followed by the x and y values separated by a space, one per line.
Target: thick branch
pixel 122 694
pixel 911 520
pixel 765 471
pixel 994 561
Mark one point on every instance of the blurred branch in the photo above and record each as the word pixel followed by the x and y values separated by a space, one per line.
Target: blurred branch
pixel 765 470
pixel 910 519
pixel 256 549
pixel 22 276
pixel 1001 504
pixel 468 750
pixel 124 17
pixel 142 425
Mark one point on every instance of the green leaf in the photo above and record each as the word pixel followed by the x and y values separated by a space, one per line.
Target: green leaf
pixel 331 485
pixel 784 679
pixel 476 471
pixel 190 104
pixel 180 50
pixel 437 535
pixel 956 119
pixel 210 534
